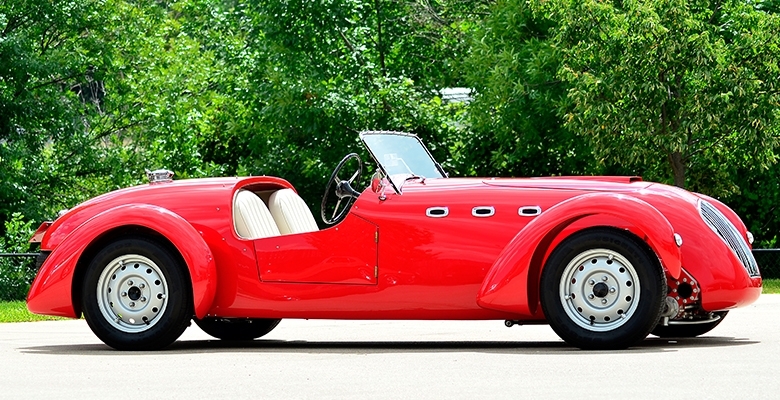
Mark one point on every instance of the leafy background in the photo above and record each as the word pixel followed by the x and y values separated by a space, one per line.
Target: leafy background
pixel 93 91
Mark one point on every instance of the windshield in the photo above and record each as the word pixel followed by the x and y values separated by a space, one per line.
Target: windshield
pixel 401 156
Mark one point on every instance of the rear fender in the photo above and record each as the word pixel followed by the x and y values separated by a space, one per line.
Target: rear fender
pixel 51 292
pixel 512 284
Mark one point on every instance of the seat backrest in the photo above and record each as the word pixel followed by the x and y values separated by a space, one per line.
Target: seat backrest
pixel 291 213
pixel 251 217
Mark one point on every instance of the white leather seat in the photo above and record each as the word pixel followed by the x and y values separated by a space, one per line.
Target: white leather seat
pixel 291 213
pixel 251 217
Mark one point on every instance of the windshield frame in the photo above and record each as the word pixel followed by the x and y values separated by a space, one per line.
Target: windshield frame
pixel 397 180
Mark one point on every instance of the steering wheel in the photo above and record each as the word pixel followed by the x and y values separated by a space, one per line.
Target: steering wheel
pixel 345 195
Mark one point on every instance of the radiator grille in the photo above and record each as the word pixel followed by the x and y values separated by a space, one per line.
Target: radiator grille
pixel 729 233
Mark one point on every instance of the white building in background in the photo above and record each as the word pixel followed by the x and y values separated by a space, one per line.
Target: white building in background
pixel 456 95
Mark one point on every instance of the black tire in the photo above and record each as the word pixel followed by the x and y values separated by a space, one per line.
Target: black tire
pixel 234 329
pixel 136 295
pixel 589 291
pixel 688 330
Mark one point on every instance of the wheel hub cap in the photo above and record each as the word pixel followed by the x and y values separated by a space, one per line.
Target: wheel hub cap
pixel 132 293
pixel 600 290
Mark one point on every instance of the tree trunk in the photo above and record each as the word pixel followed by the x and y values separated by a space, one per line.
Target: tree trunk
pixel 379 45
pixel 678 168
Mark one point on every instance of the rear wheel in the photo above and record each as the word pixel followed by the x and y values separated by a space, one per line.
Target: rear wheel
pixel 136 295
pixel 689 330
pixel 601 290
pixel 237 328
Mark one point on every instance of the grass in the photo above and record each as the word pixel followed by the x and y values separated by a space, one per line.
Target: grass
pixel 16 311
pixel 771 286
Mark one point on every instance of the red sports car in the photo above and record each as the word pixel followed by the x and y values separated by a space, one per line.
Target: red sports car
pixel 603 260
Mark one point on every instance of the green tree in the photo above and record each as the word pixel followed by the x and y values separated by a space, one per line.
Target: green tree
pixel 167 99
pixel 515 125
pixel 758 203
pixel 16 274
pixel 51 74
pixel 685 90
pixel 94 91
pixel 318 73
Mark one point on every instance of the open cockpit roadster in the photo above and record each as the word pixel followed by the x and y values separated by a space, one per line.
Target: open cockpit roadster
pixel 604 260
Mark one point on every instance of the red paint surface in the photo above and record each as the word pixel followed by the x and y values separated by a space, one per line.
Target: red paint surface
pixel 456 267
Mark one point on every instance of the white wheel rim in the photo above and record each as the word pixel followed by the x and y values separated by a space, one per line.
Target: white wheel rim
pixel 599 290
pixel 132 293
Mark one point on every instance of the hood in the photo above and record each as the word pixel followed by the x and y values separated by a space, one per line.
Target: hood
pixel 582 183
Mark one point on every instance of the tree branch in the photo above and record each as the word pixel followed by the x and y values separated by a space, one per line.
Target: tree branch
pixel 705 148
pixel 715 12
pixel 357 55
pixel 380 49
pixel 55 81
pixel 16 23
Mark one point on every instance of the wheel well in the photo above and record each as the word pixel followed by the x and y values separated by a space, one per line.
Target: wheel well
pixel 535 274
pixel 108 237
pixel 620 231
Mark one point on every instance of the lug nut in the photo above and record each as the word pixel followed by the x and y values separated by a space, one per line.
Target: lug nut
pixel 604 278
pixel 592 282
pixel 603 301
pixel 142 286
pixel 129 283
pixel 124 294
pixel 143 299
pixel 132 304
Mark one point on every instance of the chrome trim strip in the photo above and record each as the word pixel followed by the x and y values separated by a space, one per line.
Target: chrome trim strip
pixel 529 211
pixel 730 236
pixel 483 211
pixel 437 212
pixel 713 318
pixel 159 175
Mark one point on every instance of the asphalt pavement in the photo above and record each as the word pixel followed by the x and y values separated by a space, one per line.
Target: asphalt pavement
pixel 327 359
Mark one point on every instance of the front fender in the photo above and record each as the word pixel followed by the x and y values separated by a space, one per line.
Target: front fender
pixel 51 292
pixel 512 282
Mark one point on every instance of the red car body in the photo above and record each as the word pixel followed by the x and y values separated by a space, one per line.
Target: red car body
pixel 454 248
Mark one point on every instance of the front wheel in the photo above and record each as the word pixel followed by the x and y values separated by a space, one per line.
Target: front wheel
pixel 600 289
pixel 234 329
pixel 136 295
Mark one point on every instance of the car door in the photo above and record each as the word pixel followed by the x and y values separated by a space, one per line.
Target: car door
pixel 343 254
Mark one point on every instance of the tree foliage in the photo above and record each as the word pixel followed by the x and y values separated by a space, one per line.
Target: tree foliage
pixel 94 91
pixel 50 74
pixel 678 91
pixel 693 83
pixel 513 67
pixel 16 274
pixel 320 72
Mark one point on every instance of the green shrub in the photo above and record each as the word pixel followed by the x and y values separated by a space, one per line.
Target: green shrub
pixel 16 273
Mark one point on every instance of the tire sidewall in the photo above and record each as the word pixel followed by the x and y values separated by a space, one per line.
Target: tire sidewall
pixel 173 319
pixel 647 311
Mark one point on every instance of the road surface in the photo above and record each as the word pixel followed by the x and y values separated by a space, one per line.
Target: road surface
pixel 326 359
